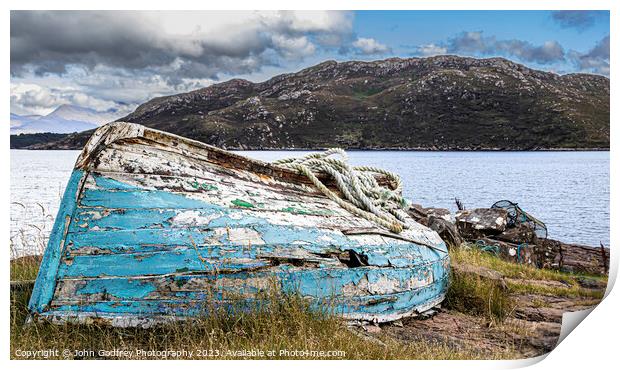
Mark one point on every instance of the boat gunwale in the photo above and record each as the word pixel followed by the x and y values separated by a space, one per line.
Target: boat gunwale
pixel 128 132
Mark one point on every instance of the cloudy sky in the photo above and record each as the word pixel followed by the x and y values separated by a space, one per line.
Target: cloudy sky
pixel 111 60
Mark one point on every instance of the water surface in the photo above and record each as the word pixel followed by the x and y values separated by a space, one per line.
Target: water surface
pixel 569 191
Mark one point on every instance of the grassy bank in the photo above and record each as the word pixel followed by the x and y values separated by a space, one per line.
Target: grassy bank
pixel 528 279
pixel 285 324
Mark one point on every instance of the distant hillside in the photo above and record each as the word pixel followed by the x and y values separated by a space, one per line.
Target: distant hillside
pixel 443 102
pixel 64 119
pixel 23 141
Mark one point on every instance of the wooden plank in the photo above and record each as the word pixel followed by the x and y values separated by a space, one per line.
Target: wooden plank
pixel 139 199
pixel 207 182
pixel 169 218
pixel 46 278
pixel 222 195
pixel 257 234
pixel 221 259
pixel 247 240
pixel 138 158
pixel 155 263
pixel 308 282
pixel 228 159
pixel 130 319
pixel 377 304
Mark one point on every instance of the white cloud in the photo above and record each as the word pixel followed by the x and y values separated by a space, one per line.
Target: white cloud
pixel 293 48
pixel 210 42
pixel 370 46
pixel 317 21
pixel 431 50
pixel 476 43
pixel 123 58
pixel 596 60
pixel 28 98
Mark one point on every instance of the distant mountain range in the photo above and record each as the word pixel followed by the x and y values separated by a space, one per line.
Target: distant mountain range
pixel 436 103
pixel 64 119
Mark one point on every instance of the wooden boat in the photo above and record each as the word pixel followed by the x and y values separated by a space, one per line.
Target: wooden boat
pixel 153 225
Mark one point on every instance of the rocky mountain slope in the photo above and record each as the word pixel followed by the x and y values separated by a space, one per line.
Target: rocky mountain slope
pixel 443 102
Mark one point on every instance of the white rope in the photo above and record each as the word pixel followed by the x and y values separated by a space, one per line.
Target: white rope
pixel 361 193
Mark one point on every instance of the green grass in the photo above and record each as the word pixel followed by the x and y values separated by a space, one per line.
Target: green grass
pixel 526 273
pixel 573 291
pixel 480 297
pixel 362 93
pixel 282 323
pixel 477 257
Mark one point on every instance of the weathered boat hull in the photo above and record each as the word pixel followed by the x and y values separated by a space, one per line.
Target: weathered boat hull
pixel 155 227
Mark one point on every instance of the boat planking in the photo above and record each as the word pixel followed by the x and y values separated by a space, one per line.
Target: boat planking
pixel 153 227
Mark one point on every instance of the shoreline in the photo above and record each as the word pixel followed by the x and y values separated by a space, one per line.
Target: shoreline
pixel 382 149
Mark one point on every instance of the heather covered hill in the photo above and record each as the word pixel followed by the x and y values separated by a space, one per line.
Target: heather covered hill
pixel 443 102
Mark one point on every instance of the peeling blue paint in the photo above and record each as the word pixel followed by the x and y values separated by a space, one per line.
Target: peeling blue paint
pixel 140 199
pixel 369 304
pixel 321 283
pixel 119 289
pixel 111 184
pixel 153 263
pixel 46 278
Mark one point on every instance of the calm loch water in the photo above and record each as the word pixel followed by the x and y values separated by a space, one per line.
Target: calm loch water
pixel 569 191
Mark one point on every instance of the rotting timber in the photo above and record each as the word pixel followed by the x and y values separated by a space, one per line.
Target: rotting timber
pixel 153 227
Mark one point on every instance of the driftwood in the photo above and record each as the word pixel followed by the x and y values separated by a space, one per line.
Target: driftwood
pixel 553 254
pixel 581 258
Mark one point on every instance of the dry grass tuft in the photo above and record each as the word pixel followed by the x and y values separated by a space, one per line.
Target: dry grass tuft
pixel 480 297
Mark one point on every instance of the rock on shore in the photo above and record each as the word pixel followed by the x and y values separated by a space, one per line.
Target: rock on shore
pixel 488 228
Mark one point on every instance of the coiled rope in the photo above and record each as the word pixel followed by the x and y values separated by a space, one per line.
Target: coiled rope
pixel 361 193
